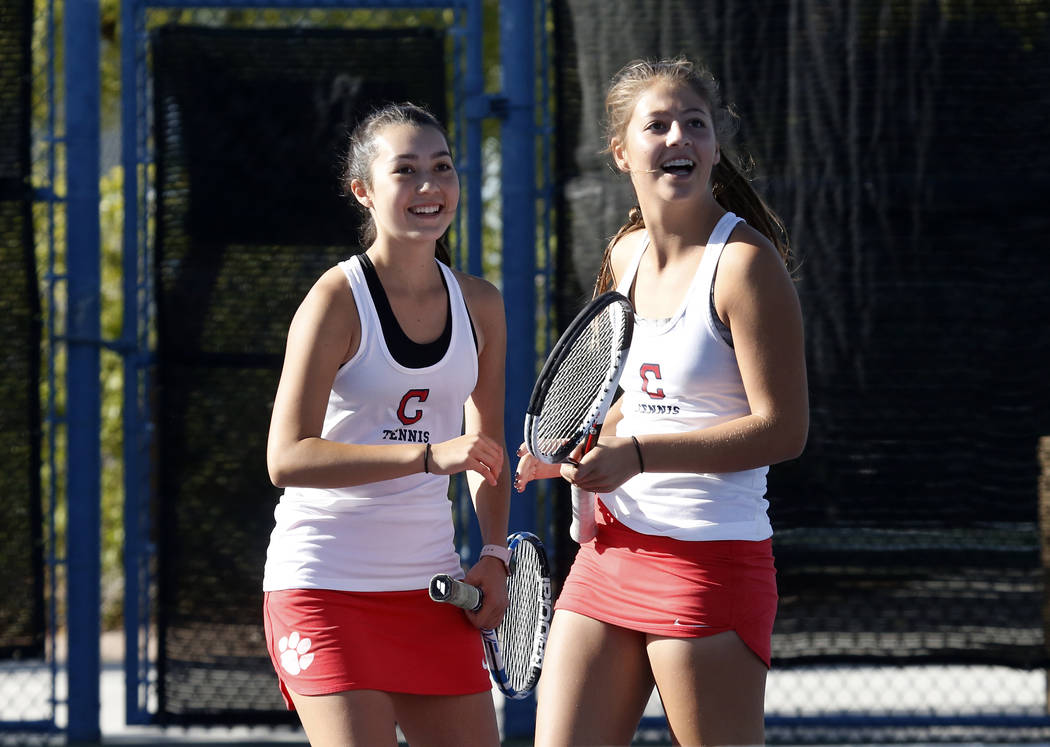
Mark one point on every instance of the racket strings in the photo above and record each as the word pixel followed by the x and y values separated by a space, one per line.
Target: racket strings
pixel 517 632
pixel 581 382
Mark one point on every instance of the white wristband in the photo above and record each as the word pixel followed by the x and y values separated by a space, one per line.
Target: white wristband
pixel 499 552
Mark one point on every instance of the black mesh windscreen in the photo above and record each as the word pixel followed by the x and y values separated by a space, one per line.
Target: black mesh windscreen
pixel 903 142
pixel 250 128
pixel 21 531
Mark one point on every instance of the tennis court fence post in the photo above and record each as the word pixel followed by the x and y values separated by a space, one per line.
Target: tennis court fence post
pixel 519 193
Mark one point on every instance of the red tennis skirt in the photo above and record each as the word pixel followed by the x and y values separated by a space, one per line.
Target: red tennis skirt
pixel 672 587
pixel 324 642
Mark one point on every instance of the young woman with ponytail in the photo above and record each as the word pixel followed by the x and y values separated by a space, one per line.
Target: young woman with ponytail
pixel 393 380
pixel 678 589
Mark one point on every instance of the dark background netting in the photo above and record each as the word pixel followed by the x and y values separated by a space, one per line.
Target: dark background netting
pixel 904 145
pixel 21 544
pixel 250 126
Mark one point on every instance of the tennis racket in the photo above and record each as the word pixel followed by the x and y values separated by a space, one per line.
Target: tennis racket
pixel 574 390
pixel 514 651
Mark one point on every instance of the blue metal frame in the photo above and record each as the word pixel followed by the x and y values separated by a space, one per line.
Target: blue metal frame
pixel 518 274
pixel 137 360
pixel 518 143
pixel 83 409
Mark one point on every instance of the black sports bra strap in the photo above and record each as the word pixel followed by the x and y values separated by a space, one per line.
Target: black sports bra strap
pixel 404 350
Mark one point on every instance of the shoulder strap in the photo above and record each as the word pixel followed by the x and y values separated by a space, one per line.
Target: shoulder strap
pixel 716 243
pixel 706 273
pixel 457 303
pixel 624 286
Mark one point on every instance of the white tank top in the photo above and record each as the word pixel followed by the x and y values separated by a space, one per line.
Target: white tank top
pixel 682 375
pixel 395 534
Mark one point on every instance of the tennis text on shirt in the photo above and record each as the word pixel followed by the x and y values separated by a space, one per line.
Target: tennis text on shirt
pixel 408 412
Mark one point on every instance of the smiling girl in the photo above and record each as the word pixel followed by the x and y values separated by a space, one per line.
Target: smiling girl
pixel 393 380
pixel 678 589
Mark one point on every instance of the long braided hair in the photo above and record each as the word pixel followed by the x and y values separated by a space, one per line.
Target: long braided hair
pixel 729 182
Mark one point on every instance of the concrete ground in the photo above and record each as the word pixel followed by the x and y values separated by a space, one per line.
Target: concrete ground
pixel 25 694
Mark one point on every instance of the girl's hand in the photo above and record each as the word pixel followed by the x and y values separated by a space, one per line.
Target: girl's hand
pixel 490 576
pixel 531 468
pixel 611 463
pixel 472 451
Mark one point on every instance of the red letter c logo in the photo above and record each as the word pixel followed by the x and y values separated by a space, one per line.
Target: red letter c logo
pixel 404 417
pixel 645 371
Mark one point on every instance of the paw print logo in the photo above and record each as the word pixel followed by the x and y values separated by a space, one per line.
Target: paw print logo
pixel 294 658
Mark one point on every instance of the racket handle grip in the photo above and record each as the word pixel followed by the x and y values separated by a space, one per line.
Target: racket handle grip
pixel 444 588
pixel 582 528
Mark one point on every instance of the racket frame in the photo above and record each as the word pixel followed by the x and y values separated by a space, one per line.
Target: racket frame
pixel 444 588
pixel 596 414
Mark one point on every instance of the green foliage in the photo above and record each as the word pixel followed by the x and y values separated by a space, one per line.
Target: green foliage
pixel 111 215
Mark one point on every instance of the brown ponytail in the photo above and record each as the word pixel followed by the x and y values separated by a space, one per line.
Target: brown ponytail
pixel 734 192
pixel 605 275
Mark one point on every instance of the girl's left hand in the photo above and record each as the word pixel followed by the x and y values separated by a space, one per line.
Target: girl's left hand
pixel 489 575
pixel 611 463
pixel 471 451
pixel 530 468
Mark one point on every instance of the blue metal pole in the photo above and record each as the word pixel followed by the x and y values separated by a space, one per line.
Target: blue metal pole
pixel 475 106
pixel 129 343
pixel 518 182
pixel 83 543
pixel 474 95
pixel 519 224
